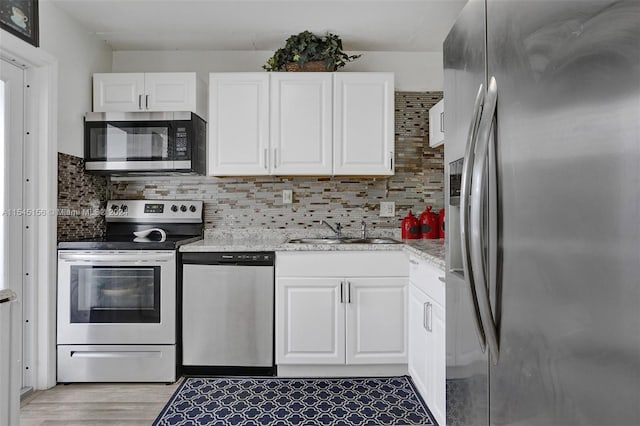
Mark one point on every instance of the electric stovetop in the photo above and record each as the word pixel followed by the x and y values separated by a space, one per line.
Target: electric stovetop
pixel 122 242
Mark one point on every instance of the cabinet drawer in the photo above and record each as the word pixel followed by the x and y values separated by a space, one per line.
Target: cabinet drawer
pixel 342 264
pixel 427 278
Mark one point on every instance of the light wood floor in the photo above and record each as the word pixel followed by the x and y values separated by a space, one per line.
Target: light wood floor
pixel 96 404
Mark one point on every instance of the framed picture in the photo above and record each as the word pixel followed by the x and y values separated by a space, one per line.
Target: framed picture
pixel 20 18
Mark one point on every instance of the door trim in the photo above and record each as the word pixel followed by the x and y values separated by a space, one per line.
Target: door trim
pixel 41 100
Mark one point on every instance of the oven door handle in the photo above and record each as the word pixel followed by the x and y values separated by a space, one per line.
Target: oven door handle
pixel 120 258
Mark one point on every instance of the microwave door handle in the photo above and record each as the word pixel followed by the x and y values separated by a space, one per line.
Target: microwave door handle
pixel 467 170
pixel 476 223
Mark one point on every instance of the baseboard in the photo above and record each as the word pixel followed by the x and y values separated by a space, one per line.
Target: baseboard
pixel 342 370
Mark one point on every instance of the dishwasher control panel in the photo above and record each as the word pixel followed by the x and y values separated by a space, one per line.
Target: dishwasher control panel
pixel 263 258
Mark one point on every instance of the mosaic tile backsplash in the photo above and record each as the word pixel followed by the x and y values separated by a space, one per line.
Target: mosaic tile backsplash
pixel 81 200
pixel 256 202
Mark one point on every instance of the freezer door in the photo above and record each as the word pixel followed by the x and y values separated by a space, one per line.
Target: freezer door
pixel 568 143
pixel 467 365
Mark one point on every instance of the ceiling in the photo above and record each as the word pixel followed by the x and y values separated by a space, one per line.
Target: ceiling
pixel 390 25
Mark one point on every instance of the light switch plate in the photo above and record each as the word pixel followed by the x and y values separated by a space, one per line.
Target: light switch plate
pixel 287 196
pixel 387 209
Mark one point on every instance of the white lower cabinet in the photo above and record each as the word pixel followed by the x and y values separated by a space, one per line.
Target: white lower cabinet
pixel 427 335
pixel 329 312
pixel 310 317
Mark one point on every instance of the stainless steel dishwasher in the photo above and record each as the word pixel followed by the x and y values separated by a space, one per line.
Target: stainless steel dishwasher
pixel 228 313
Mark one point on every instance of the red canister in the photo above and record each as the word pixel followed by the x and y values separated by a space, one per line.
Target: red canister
pixel 429 224
pixel 410 227
pixel 441 221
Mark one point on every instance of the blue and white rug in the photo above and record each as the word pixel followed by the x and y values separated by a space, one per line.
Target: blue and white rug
pixel 293 402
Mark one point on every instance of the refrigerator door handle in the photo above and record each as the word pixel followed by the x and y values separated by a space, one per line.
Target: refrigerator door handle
pixel 467 170
pixel 478 266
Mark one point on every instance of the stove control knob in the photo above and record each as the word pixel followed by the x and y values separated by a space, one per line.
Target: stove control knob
pixel 124 207
pixel 192 208
pixel 174 208
pixel 183 208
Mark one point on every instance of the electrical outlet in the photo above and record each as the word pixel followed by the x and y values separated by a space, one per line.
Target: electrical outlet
pixel 287 196
pixel 387 209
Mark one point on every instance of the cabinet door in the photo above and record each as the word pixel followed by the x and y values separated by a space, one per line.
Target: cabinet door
pixel 238 124
pixel 309 321
pixel 118 92
pixel 363 128
pixel 436 124
pixel 301 123
pixel 418 340
pixel 436 346
pixel 376 320
pixel 170 91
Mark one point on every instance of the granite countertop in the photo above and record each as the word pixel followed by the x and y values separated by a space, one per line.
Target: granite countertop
pixel 429 250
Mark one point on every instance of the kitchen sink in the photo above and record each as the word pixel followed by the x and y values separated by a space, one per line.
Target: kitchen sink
pixel 333 240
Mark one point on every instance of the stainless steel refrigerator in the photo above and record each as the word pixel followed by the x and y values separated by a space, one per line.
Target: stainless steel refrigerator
pixel 542 146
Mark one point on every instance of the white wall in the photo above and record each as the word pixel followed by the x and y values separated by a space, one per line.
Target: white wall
pixel 414 71
pixel 79 55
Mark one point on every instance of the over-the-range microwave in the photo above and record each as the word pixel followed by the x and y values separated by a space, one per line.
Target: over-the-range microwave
pixel 144 143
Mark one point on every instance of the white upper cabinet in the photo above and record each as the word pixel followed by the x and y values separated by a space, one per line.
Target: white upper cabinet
pixel 238 124
pixel 363 124
pixel 130 92
pixel 118 92
pixel 436 124
pixel 317 124
pixel 301 140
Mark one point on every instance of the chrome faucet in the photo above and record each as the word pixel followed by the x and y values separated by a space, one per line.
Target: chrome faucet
pixel 363 230
pixel 337 230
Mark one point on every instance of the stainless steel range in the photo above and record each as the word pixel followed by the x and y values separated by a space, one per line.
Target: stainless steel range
pixel 117 295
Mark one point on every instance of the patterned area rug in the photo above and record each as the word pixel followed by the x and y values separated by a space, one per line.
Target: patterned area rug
pixel 288 402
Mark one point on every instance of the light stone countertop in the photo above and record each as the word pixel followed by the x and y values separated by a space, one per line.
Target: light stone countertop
pixel 273 240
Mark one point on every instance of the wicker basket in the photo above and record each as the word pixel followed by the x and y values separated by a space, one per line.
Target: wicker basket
pixel 313 66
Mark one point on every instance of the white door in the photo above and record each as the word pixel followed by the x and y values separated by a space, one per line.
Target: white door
pixel 301 139
pixel 309 321
pixel 376 321
pixel 118 92
pixel 418 339
pixel 238 124
pixel 363 124
pixel 436 322
pixel 166 91
pixel 11 231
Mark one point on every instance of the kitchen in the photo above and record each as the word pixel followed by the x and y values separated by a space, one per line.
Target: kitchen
pixel 246 213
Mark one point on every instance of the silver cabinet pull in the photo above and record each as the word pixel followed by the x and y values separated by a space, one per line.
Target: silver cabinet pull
pixel 348 291
pixel 266 159
pixel 442 280
pixel 341 291
pixel 424 315
pixel 275 158
pixel 146 101
pixel 467 170
pixel 139 101
pixel 391 160
pixel 479 268
pixel 429 315
pixel 413 262
pixel 442 122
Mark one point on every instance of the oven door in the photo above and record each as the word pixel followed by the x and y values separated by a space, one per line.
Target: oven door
pixel 124 297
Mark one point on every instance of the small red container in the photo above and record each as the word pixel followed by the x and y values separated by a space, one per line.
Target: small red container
pixel 410 227
pixel 429 224
pixel 441 222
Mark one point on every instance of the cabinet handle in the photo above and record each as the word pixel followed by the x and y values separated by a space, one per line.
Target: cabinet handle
pixel 146 101
pixel 348 291
pixel 139 101
pixel 391 160
pixel 413 262
pixel 442 280
pixel 442 122
pixel 275 158
pixel 429 315
pixel 266 159
pixel 341 291
pixel 424 315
